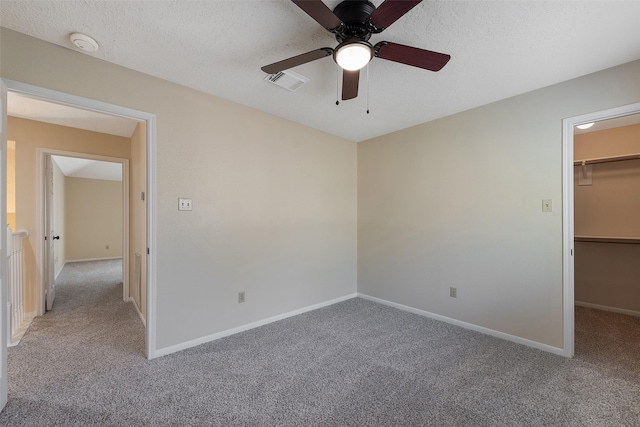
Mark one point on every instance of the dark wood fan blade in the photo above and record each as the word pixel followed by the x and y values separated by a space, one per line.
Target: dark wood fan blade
pixel 390 11
pixel 413 56
pixel 320 12
pixel 350 80
pixel 285 64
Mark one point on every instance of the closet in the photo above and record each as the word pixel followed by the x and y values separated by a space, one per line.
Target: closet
pixel 607 217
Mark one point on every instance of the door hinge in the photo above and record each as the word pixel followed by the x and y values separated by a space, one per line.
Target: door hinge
pixel 147 251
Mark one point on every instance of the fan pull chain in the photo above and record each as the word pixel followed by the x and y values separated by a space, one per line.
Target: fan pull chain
pixel 367 88
pixel 338 85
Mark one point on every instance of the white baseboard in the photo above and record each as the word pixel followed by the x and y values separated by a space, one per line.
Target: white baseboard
pixel 607 308
pixel 93 259
pixel 132 301
pixel 63 265
pixel 471 326
pixel 56 278
pixel 185 345
pixel 26 322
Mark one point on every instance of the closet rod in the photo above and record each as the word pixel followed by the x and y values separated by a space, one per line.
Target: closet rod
pixel 606 159
pixel 608 239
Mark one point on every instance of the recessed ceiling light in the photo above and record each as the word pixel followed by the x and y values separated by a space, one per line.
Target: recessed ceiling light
pixel 84 42
pixel 585 126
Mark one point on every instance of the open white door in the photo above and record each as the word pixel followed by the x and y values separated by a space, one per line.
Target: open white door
pixel 4 319
pixel 49 236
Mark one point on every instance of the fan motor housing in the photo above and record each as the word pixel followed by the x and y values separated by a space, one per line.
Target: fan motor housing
pixel 355 17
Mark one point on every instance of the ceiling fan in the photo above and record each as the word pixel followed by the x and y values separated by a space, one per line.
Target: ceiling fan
pixel 353 22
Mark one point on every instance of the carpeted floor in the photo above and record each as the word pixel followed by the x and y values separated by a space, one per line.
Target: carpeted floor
pixel 355 363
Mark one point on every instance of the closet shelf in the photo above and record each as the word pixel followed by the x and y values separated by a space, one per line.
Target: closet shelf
pixel 608 239
pixel 606 159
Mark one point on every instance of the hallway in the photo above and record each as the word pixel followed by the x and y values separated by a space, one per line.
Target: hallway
pixel 89 333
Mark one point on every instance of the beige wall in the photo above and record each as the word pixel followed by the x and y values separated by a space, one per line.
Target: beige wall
pixel 611 205
pixel 11 185
pixel 608 142
pixel 137 216
pixel 274 201
pixel 59 198
pixel 93 219
pixel 456 202
pixel 606 274
pixel 30 135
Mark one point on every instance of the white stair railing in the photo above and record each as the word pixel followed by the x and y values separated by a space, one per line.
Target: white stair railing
pixel 16 281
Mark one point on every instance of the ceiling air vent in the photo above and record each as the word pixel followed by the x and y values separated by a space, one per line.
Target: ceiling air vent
pixel 287 79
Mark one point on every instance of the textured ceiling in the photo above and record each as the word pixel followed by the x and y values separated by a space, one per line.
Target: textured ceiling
pixel 499 49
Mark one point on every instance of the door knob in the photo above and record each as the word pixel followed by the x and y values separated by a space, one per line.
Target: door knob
pixel 56 237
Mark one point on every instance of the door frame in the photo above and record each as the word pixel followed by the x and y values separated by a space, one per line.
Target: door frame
pixel 568 274
pixel 4 283
pixel 42 248
pixel 150 121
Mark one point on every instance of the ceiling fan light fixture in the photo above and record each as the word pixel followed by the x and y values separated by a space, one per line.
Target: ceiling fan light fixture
pixel 353 55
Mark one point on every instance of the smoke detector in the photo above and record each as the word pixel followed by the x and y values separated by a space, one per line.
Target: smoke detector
pixel 84 42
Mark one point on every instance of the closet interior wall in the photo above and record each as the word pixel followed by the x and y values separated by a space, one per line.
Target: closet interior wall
pixel 607 221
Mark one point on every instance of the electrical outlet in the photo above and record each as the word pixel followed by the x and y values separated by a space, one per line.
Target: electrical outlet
pixel 453 292
pixel 241 296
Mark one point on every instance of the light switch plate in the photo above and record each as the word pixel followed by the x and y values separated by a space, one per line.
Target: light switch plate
pixel 184 204
pixel 547 205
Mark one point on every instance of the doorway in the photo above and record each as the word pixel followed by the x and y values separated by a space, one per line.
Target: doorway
pixel 86 214
pixel 148 161
pixel 568 214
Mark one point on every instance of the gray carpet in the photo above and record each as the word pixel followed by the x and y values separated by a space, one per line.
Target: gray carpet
pixel 355 363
